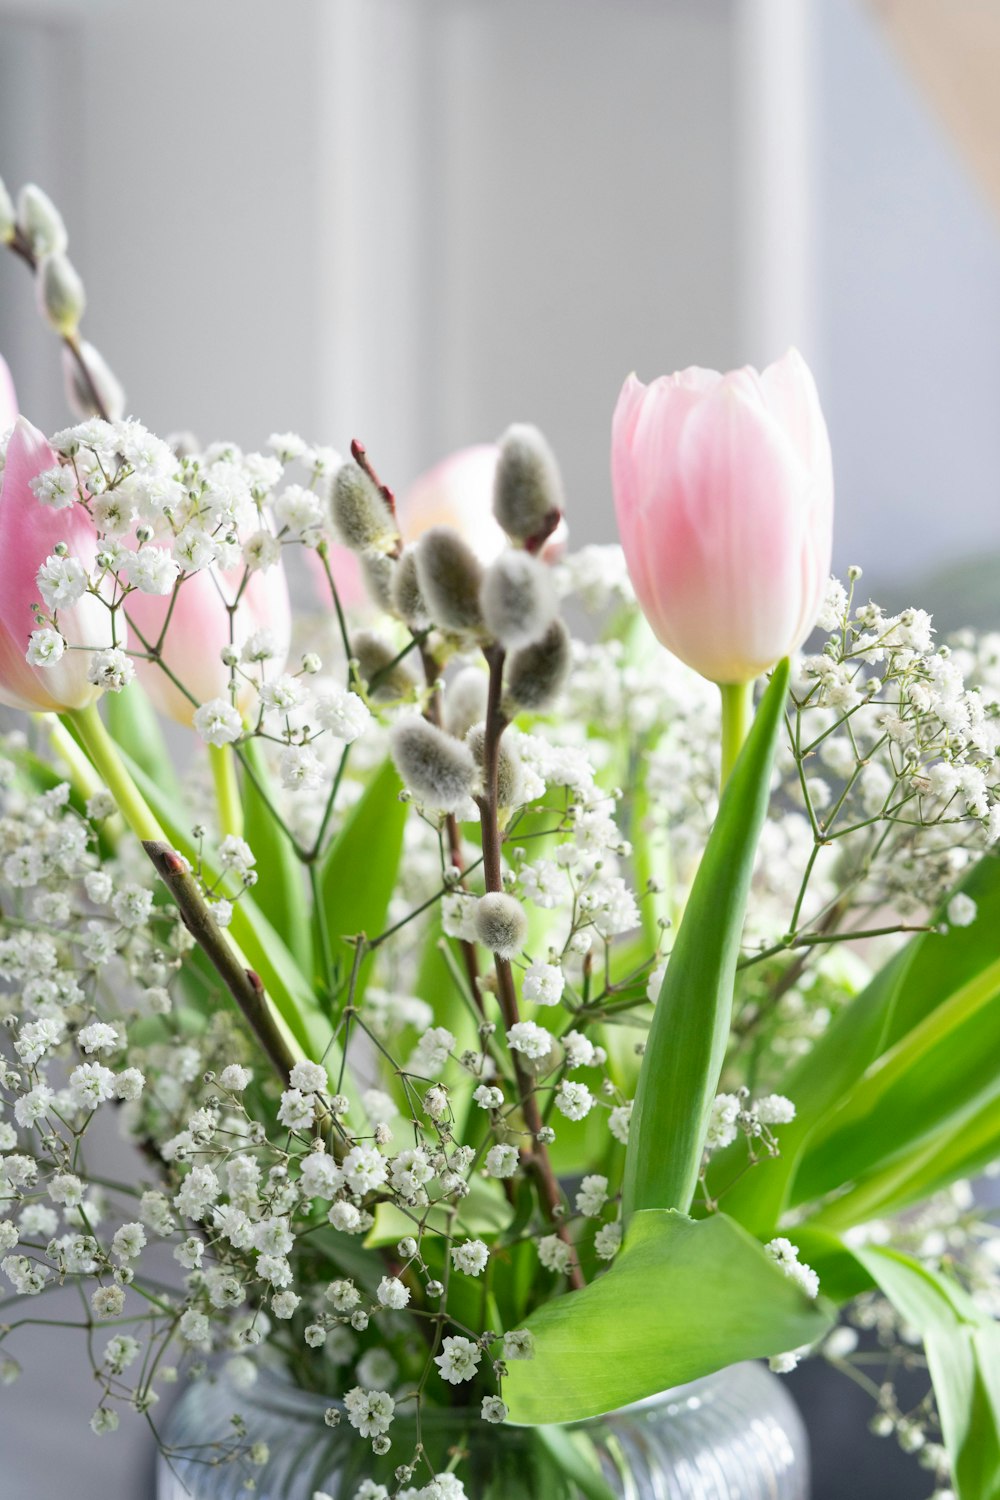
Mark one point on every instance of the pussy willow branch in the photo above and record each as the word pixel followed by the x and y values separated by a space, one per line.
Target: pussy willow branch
pixel 243 984
pixel 456 853
pixel 21 247
pixel 496 723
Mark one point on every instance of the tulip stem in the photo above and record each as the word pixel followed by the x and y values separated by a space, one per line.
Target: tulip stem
pixel 737 714
pixel 227 790
pixel 103 754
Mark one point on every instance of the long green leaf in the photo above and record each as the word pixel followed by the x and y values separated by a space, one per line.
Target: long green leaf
pixel 690 1030
pixel 135 728
pixel 915 982
pixel 361 868
pixel 944 1070
pixel 963 1355
pixel 683 1298
pixel 280 890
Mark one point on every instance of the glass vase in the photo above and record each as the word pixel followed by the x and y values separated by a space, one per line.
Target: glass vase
pixel 735 1435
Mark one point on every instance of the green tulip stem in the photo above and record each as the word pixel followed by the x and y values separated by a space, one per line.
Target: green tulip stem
pixel 103 755
pixel 227 789
pixel 737 715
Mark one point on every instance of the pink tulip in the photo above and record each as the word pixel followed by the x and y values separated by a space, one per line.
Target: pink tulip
pixel 199 631
pixel 723 489
pixel 29 531
pixel 347 575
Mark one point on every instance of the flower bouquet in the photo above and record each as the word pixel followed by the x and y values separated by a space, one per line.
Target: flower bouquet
pixel 510 1025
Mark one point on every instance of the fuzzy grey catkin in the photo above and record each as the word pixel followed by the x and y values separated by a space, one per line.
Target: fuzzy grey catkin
pixel 450 577
pixel 373 655
pixel 60 293
pixel 465 701
pixel 517 599
pixel 527 489
pixel 501 924
pixel 407 600
pixel 510 778
pixel 40 221
pixel 535 674
pixel 360 515
pixel 79 396
pixel 377 570
pixel 438 770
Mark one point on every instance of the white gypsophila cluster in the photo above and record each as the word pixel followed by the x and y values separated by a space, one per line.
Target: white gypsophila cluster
pixel 499 1012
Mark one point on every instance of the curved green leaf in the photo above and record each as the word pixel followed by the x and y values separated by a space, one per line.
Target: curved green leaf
pixel 133 725
pixel 280 890
pixel 684 1297
pixel 360 870
pixel 690 1031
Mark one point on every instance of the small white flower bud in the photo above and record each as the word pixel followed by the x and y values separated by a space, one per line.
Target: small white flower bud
pixel 501 924
pixel 535 674
pixel 527 490
pixel 439 770
pixel 517 599
pixel 40 221
pixel 105 383
pixel 407 600
pixel 60 294
pixel 450 576
pixel 360 514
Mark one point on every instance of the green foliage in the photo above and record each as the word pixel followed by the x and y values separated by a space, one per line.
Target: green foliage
pixel 360 870
pixel 280 889
pixel 690 1030
pixel 684 1297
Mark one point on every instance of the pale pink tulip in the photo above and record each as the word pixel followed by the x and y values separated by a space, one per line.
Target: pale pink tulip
pixel 347 575
pixel 199 631
pixel 29 531
pixel 723 488
pixel 457 492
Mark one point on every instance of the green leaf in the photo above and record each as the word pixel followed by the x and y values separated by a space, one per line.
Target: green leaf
pixel 963 1355
pixel 915 982
pixel 945 1069
pixel 280 890
pixel 576 1459
pixel 690 1031
pixel 360 870
pixel 484 1213
pixel 683 1297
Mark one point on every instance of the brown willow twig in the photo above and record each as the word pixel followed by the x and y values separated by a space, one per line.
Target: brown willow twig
pixel 21 247
pixel 243 984
pixel 496 723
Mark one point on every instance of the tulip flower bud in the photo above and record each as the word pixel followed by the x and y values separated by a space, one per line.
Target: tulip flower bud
pixel 501 924
pixel 61 298
pixel 360 514
pixel 106 385
pixel 510 778
pixel 535 674
pixel 723 488
pixel 465 701
pixel 450 577
pixel 385 678
pixel 407 600
pixel 8 218
pixel 517 599
pixel 527 491
pixel 438 770
pixel 39 221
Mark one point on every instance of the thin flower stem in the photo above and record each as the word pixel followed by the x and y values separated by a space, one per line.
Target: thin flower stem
pixel 737 712
pixel 550 1191
pixel 104 757
pixel 227 789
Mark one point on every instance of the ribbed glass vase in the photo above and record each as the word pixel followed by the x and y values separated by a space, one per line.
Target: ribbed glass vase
pixel 735 1435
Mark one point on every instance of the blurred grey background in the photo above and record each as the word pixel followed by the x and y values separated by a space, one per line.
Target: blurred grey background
pixel 413 221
